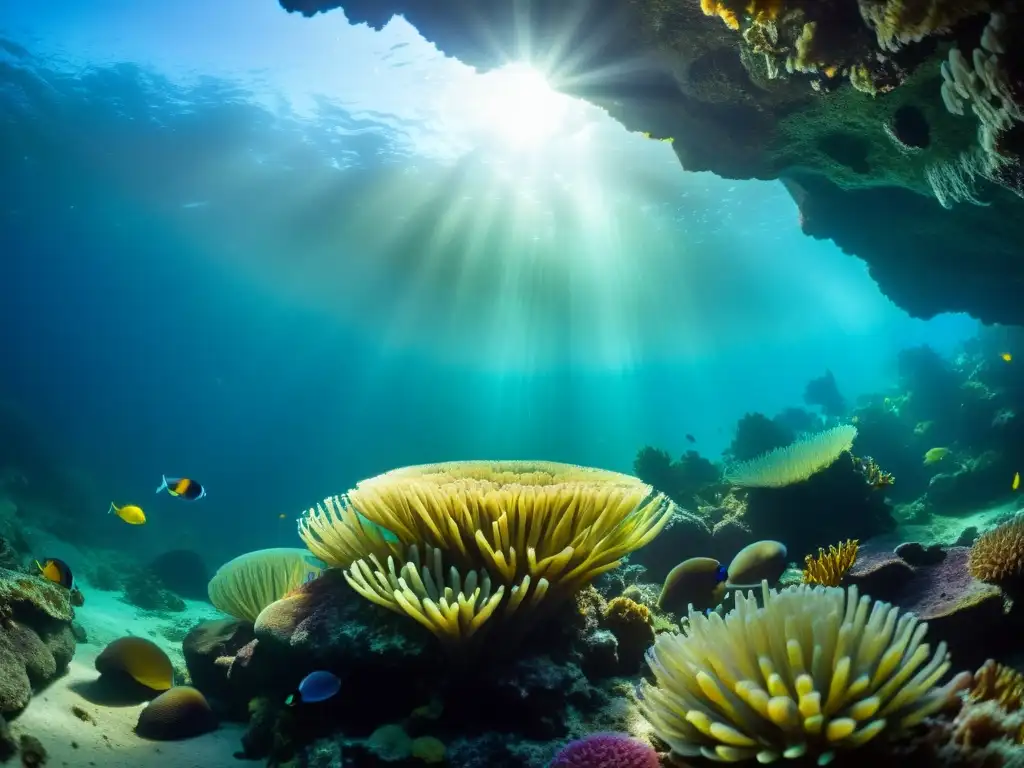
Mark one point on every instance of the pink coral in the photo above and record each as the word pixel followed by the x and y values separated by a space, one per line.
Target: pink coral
pixel 607 750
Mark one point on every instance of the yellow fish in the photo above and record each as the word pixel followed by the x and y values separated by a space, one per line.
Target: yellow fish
pixel 56 571
pixel 1007 357
pixel 130 513
pixel 935 454
pixel 1016 481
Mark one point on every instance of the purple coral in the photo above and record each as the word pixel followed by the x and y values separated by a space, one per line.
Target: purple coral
pixel 607 750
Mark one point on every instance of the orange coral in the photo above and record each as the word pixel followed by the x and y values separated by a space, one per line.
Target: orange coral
pixel 829 568
pixel 999 683
pixel 998 556
pixel 757 11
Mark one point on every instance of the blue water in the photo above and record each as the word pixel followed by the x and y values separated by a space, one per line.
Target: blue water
pixel 226 257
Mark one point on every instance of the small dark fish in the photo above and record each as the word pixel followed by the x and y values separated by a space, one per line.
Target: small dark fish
pixel 691 438
pixel 56 571
pixel 183 487
pixel 316 686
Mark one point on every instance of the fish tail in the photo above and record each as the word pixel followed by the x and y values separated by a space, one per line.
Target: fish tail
pixel 112 509
pixel 163 484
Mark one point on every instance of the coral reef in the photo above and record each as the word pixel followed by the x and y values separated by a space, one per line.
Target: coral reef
pixel 36 640
pixel 844 101
pixel 795 514
pixel 561 683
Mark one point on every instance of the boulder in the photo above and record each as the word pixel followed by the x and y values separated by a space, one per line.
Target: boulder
pixel 972 617
pixel 36 639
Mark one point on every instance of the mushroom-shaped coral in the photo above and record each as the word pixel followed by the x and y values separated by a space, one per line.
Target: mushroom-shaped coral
pixel 606 750
pixel 829 568
pixel 179 713
pixel 757 562
pixel 997 557
pixel 815 670
pixel 246 585
pixel 496 538
pixel 698 581
pixel 795 462
pixel 139 659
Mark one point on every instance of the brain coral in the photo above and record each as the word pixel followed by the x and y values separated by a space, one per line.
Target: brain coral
pixel 815 670
pixel 607 750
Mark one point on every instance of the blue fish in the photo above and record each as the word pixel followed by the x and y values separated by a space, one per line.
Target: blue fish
pixel 316 686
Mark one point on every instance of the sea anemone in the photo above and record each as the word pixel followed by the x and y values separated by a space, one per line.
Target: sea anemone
pixel 453 545
pixel 815 670
pixel 998 555
pixel 829 568
pixel 606 750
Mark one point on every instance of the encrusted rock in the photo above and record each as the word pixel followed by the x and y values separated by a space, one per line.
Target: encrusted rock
pixel 958 608
pixel 36 639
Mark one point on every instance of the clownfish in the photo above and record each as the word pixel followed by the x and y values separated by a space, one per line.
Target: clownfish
pixel 56 571
pixel 130 513
pixel 183 487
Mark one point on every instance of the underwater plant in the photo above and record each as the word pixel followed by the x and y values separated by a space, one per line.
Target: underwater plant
pixel 813 671
pixel 454 544
pixel 829 568
pixel 794 462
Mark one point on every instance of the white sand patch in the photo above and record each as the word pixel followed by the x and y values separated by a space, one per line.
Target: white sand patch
pixel 947 529
pixel 105 617
pixel 109 741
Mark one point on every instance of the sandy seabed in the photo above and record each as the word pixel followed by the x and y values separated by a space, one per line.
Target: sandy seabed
pixel 106 739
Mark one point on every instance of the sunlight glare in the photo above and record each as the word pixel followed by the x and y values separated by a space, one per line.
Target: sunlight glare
pixel 519 106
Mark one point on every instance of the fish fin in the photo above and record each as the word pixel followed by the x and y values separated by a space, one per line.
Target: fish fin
pixel 290 701
pixel 163 484
pixel 39 566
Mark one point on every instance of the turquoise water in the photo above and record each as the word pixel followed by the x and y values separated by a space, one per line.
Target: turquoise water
pixel 236 256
